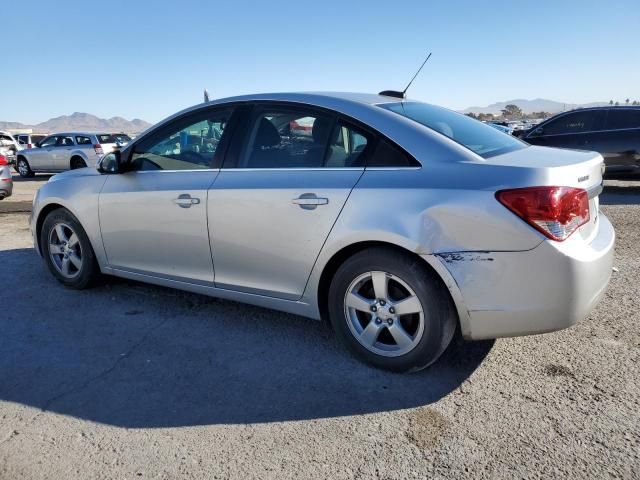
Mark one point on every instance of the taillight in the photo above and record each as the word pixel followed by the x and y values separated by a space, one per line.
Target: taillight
pixel 98 149
pixel 556 212
pixel 3 161
pixel 29 145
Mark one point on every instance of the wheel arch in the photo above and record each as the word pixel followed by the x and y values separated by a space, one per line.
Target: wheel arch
pixel 54 205
pixel 80 156
pixel 429 261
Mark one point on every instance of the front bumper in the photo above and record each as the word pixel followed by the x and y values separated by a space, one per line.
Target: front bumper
pixel 548 288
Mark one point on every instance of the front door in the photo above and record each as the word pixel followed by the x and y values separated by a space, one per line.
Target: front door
pixel 272 209
pixel 61 153
pixel 42 158
pixel 153 218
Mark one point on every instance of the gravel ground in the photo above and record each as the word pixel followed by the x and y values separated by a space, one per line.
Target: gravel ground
pixel 133 381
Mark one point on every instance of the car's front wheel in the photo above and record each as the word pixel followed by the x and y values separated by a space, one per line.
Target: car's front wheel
pixel 23 168
pixel 391 310
pixel 67 251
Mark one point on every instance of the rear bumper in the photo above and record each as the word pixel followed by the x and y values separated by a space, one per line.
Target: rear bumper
pixel 548 288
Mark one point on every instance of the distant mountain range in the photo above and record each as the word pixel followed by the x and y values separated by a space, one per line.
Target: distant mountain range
pixel 530 106
pixel 82 121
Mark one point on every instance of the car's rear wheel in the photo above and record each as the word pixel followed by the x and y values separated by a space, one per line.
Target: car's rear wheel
pixel 23 168
pixel 77 162
pixel 391 310
pixel 67 251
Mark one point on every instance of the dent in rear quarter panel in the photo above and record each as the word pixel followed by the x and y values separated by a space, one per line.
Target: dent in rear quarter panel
pixel 80 195
pixel 415 209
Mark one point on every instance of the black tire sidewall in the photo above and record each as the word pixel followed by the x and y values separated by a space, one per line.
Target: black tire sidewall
pixel 77 162
pixel 29 171
pixel 89 270
pixel 439 316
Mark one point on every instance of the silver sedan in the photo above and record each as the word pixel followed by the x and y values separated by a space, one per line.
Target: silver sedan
pixel 396 220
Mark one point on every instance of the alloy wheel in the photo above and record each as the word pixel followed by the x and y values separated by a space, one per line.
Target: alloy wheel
pixel 384 314
pixel 65 250
pixel 23 169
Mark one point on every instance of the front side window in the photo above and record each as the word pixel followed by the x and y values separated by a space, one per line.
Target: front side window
pixel 187 144
pixel 49 141
pixel 623 118
pixel 575 122
pixel 482 139
pixel 64 141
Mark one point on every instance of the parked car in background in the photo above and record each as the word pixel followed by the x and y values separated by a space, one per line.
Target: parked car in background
pixel 29 140
pixel 65 151
pixel 9 146
pixel 6 181
pixel 397 221
pixel 501 128
pixel 612 131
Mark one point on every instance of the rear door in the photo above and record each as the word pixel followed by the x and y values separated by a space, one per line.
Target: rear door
pixel 620 140
pixel 153 218
pixel 285 180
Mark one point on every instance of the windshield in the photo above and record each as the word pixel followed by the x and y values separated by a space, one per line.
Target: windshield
pixel 482 139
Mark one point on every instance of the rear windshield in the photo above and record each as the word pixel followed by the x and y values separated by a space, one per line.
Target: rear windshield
pixel 113 138
pixel 482 139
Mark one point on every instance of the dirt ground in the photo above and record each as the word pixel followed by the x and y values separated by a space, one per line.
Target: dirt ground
pixel 133 381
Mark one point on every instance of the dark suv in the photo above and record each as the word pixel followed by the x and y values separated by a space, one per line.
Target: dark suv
pixel 612 131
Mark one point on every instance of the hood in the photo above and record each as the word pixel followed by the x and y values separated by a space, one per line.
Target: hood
pixel 79 172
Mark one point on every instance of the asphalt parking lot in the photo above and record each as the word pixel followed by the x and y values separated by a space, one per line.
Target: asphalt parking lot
pixel 133 381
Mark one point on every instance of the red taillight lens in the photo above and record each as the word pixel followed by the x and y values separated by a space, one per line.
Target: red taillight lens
pixel 556 212
pixel 3 161
pixel 98 148
pixel 29 145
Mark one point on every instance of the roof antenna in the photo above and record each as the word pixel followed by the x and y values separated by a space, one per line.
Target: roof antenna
pixel 206 95
pixel 402 94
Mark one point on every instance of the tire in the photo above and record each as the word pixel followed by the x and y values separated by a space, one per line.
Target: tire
pixel 375 325
pixel 77 162
pixel 23 168
pixel 67 251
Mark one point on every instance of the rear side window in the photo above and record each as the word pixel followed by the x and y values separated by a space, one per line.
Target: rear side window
pixel 575 122
pixel 289 138
pixel 482 139
pixel 82 140
pixel 388 155
pixel 623 118
pixel 105 138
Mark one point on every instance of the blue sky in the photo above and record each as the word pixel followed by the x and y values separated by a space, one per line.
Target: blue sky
pixel 148 59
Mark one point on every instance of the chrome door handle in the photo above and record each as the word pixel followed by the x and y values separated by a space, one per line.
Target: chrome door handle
pixel 185 200
pixel 309 201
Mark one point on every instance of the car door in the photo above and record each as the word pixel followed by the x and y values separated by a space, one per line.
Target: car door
pixel 153 217
pixel 285 180
pixel 574 129
pixel 61 152
pixel 41 158
pixel 620 140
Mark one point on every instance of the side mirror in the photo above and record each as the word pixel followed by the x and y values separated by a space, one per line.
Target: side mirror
pixel 537 132
pixel 111 163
